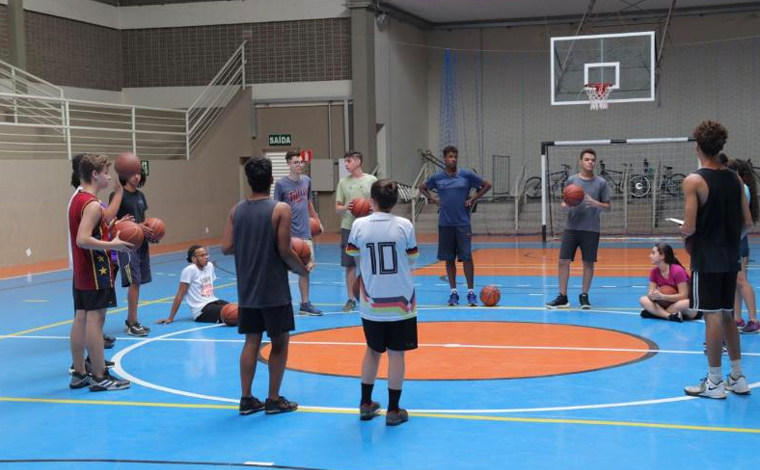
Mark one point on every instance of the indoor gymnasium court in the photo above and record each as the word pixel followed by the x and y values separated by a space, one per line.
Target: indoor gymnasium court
pixel 540 100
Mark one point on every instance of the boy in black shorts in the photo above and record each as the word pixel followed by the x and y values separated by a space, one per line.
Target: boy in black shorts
pixel 388 304
pixel 258 234
pixel 716 216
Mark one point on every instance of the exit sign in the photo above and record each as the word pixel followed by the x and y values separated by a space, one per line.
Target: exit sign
pixel 276 140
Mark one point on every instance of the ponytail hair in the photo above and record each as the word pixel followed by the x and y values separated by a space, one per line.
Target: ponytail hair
pixel 667 252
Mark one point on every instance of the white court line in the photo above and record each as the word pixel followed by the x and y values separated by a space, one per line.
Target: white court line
pixel 120 371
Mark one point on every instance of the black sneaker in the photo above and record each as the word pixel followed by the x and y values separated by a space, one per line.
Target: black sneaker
pixel 583 300
pixel 250 405
pixel 559 302
pixel 676 317
pixel 108 383
pixel 646 314
pixel 108 341
pixel 136 329
pixel 88 365
pixel 79 380
pixel 281 405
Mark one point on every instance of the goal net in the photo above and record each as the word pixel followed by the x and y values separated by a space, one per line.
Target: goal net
pixel 644 178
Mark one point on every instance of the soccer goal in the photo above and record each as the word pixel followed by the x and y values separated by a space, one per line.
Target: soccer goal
pixel 644 178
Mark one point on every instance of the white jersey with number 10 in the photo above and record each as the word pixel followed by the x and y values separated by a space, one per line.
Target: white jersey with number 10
pixel 386 246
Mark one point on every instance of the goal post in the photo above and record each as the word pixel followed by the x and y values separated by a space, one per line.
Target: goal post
pixel 644 178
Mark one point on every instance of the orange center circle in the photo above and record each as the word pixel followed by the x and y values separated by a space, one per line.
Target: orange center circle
pixel 474 350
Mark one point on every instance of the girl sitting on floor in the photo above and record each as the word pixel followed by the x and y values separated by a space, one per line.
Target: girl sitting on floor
pixel 668 271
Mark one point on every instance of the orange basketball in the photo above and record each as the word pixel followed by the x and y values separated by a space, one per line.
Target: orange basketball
pixel 361 207
pixel 130 232
pixel 315 226
pixel 666 290
pixel 301 248
pixel 490 295
pixel 127 164
pixel 158 227
pixel 357 288
pixel 572 195
pixel 229 314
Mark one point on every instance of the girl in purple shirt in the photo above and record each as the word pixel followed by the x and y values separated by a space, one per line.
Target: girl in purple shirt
pixel 668 271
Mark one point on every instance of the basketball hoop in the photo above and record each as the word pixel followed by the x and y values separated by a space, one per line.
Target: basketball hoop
pixel 598 93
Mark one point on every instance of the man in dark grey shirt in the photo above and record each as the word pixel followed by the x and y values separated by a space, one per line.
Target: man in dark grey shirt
pixel 295 190
pixel 258 234
pixel 582 229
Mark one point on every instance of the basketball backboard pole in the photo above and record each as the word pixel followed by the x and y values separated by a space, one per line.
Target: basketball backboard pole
pixel 663 38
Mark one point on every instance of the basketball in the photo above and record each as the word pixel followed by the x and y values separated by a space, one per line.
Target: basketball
pixel 573 195
pixel 315 226
pixel 361 207
pixel 158 227
pixel 666 290
pixel 357 288
pixel 229 314
pixel 129 232
pixel 490 295
pixel 301 248
pixel 127 164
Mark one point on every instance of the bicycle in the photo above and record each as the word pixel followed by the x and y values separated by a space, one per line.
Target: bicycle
pixel 557 180
pixel 640 185
pixel 670 183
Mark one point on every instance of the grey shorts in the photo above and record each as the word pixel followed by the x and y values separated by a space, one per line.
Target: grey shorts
pixel 587 241
pixel 345 260
pixel 135 266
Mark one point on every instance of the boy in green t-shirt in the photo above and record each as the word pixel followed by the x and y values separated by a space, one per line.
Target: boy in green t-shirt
pixel 356 185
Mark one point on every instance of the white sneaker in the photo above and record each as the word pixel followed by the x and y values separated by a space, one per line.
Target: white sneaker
pixel 707 389
pixel 738 386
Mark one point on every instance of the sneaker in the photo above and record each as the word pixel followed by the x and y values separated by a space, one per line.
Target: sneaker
pixel 676 317
pixel 350 305
pixel 453 300
pixel 472 299
pixel 740 323
pixel 308 309
pixel 753 326
pixel 583 300
pixel 367 411
pixel 108 383
pixel 250 405
pixel 136 329
pixel 394 418
pixel 88 365
pixel 707 389
pixel 646 314
pixel 559 302
pixel 738 386
pixel 108 341
pixel 79 380
pixel 281 405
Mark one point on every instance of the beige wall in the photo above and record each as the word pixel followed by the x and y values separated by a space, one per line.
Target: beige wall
pixel 308 126
pixel 191 196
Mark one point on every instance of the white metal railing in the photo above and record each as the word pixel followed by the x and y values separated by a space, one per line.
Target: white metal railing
pixel 202 114
pixel 36 119
pixel 418 200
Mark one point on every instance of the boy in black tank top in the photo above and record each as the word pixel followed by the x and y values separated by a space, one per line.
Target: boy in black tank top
pixel 716 216
pixel 258 234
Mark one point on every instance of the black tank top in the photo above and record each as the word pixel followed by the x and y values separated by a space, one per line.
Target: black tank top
pixel 262 276
pixel 715 244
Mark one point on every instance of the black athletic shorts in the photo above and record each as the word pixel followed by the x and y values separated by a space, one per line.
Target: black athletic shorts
pixel 274 320
pixel 135 266
pixel 587 241
pixel 212 312
pixel 398 335
pixel 712 292
pixel 90 300
pixel 346 261
pixel 455 243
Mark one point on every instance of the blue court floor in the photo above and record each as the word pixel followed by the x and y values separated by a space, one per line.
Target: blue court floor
pixel 181 411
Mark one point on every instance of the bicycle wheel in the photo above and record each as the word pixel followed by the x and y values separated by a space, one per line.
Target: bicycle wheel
pixel 533 188
pixel 674 184
pixel 640 186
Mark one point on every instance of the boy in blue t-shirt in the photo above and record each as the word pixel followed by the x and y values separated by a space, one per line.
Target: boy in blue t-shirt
pixel 454 231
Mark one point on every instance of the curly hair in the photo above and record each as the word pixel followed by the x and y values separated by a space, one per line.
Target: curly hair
pixel 711 136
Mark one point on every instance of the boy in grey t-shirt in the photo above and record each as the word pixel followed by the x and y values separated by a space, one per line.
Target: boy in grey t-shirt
pixel 582 229
pixel 295 190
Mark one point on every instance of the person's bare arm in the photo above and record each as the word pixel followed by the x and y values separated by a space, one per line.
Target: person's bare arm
pixel 430 196
pixel 228 246
pixel 483 189
pixel 312 212
pixel 604 206
pixel 281 218
pixel 90 219
pixel 113 206
pixel 690 204
pixel 178 298
pixel 746 214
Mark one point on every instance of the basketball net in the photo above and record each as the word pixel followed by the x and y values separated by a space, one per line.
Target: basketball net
pixel 598 93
